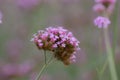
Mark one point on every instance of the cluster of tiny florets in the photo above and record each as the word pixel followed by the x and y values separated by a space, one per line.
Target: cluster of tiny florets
pixel 106 2
pixel 102 22
pixel 105 8
pixel 104 5
pixel 58 40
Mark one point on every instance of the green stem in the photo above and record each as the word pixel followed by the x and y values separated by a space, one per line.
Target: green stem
pixel 103 68
pixel 115 28
pixel 44 67
pixel 45 56
pixel 110 56
pixel 100 72
pixel 40 73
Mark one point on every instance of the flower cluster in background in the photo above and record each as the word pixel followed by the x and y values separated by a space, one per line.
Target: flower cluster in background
pixel 12 67
pixel 105 8
pixel 102 6
pixel 102 22
pixel 58 40
pixel 27 4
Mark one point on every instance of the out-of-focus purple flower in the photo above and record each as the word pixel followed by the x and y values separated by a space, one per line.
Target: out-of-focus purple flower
pixel 14 48
pixel 9 70
pixel 58 40
pixel 1 16
pixel 99 8
pixel 110 9
pixel 25 68
pixel 106 3
pixel 101 22
pixel 105 6
pixel 27 4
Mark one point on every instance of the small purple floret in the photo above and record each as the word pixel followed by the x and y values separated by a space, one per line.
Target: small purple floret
pixel 101 22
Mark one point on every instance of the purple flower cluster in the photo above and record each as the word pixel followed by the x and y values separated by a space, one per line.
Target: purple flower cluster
pixel 106 1
pixel 105 7
pixel 58 40
pixel 12 67
pixel 102 22
pixel 11 70
pixel 102 6
pixel 27 4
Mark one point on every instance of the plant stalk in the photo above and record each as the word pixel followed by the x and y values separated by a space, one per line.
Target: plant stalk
pixel 110 56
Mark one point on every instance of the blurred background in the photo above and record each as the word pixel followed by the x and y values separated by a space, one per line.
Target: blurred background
pixel 21 60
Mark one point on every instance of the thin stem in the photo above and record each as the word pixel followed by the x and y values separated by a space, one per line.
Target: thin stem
pixel 101 71
pixel 43 68
pixel 45 56
pixel 103 68
pixel 40 73
pixel 115 28
pixel 110 56
pixel 98 74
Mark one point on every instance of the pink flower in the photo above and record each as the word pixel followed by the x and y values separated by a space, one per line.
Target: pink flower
pixel 27 4
pixel 44 36
pixel 102 22
pixel 105 1
pixel 40 44
pixel 25 68
pixel 99 8
pixel 9 69
pixel 73 58
pixel 55 46
pixel 58 40
pixel 63 45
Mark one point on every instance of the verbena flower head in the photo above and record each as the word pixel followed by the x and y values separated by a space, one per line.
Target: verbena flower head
pixel 58 40
pixel 101 22
pixel 100 8
pixel 106 3
pixel 27 4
